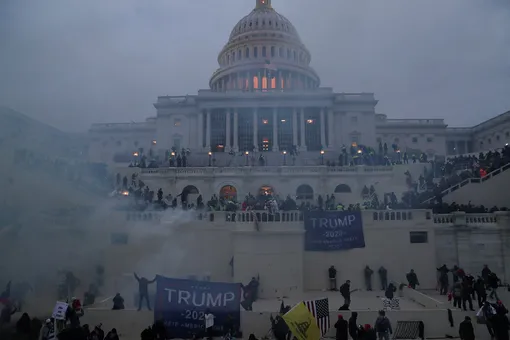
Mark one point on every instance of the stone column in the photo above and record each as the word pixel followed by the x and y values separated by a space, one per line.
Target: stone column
pixel 294 127
pixel 255 129
pixel 236 132
pixel 302 146
pixel 275 129
pixel 200 131
pixel 323 129
pixel 331 129
pixel 208 131
pixel 227 134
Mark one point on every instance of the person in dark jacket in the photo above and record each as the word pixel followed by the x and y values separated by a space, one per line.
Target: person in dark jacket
pixel 466 331
pixel 23 325
pixel 481 293
pixel 332 278
pixel 345 290
pixel 383 326
pixel 412 279
pixel 383 275
pixel 390 291
pixel 118 302
pixel 466 293
pixel 443 279
pixel 485 273
pixel 143 291
pixel 353 326
pixel 368 277
pixel 341 329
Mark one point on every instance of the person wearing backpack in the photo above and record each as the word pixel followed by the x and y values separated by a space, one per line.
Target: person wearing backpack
pixel 383 326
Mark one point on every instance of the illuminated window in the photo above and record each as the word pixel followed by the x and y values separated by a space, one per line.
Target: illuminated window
pixel 281 83
pixel 273 83
pixel 177 122
pixel 264 83
pixel 255 82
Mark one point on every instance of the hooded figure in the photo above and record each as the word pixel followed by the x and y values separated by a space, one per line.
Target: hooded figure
pixel 118 302
pixel 353 326
pixel 368 277
pixel 341 329
pixel 466 331
pixel 390 291
pixel 383 275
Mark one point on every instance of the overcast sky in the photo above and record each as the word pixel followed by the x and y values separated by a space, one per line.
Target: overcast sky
pixel 73 62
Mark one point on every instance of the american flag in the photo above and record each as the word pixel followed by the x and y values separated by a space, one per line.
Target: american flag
pixel 320 311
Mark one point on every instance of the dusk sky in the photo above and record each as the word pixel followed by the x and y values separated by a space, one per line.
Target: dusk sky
pixel 71 63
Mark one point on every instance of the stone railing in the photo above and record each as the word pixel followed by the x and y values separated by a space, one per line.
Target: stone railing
pixel 401 217
pixel 471 180
pixel 461 218
pixel 264 170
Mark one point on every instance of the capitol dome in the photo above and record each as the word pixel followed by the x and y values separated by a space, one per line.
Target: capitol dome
pixel 264 52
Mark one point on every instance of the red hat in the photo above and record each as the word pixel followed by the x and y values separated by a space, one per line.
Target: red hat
pixel 340 316
pixel 367 326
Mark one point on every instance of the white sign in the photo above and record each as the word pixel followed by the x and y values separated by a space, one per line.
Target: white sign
pixel 59 312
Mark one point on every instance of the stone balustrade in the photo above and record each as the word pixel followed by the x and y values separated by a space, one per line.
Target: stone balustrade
pixel 373 216
pixel 265 170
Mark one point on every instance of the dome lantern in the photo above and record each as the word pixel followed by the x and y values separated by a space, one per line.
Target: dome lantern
pixel 262 3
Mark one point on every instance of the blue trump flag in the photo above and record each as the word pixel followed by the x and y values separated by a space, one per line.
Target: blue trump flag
pixel 333 230
pixel 181 305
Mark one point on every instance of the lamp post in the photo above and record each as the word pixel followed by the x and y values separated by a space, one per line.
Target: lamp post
pixel 172 158
pixel 284 157
pixel 247 154
pixel 322 157
pixel 210 158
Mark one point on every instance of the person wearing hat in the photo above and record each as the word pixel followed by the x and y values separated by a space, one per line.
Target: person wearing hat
pixel 46 330
pixel 342 328
pixel 466 331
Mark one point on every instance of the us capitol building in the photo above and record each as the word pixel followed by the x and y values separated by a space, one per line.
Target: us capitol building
pixel 266 97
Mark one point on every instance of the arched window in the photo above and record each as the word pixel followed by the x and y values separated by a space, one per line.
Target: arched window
pixel 190 189
pixel 228 192
pixel 304 192
pixel 247 52
pixel 255 52
pixel 266 190
pixel 342 188
pixel 263 51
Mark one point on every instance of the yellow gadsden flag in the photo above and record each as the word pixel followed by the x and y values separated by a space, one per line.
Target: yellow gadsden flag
pixel 302 324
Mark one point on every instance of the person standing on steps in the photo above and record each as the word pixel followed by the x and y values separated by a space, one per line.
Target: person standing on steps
pixel 143 291
pixel 332 278
pixel 383 275
pixel 368 278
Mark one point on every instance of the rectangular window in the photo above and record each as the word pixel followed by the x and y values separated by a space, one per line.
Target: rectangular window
pixel 119 238
pixel 415 140
pixel 255 52
pixel 429 139
pixel 272 51
pixel 354 119
pixel 177 122
pixel 419 237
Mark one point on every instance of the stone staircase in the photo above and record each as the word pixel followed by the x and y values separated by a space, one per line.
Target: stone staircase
pixel 471 181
